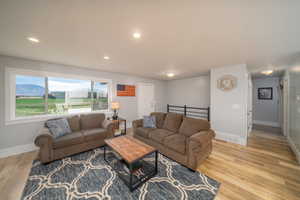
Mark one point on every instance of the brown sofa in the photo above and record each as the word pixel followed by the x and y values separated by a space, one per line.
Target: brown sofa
pixel 183 139
pixel 88 132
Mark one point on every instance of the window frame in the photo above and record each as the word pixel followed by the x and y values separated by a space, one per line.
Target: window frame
pixel 10 94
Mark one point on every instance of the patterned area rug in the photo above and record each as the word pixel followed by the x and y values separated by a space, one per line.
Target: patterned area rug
pixel 88 176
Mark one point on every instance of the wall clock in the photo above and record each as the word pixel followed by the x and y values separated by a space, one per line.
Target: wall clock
pixel 227 82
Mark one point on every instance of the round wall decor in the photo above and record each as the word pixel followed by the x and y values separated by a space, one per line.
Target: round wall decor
pixel 227 82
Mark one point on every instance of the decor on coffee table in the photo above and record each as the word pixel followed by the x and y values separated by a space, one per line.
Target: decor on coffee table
pixel 132 152
pixel 88 176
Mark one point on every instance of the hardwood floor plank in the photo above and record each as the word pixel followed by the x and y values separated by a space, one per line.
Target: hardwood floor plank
pixel 13 175
pixel 245 182
pixel 266 168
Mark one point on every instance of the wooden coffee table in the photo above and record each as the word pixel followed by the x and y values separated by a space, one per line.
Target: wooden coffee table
pixel 132 152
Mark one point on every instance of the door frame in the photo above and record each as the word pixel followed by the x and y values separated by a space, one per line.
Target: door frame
pixel 250 106
pixel 286 106
pixel 139 84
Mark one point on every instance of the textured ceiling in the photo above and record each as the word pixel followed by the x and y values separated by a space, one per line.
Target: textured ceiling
pixel 184 37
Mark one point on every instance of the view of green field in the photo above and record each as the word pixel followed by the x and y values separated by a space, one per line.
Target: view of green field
pixel 27 106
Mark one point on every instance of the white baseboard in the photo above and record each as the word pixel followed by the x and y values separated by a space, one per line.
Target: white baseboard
pixel 294 148
pixel 266 123
pixel 228 137
pixel 17 150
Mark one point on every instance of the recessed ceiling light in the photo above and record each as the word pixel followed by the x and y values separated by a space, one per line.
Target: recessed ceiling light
pixel 106 57
pixel 267 72
pixel 170 74
pixel 32 39
pixel 137 35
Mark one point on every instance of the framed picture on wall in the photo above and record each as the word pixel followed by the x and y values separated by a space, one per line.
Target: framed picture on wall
pixel 124 90
pixel 265 93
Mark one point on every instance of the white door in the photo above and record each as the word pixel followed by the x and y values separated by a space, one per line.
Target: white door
pixel 146 103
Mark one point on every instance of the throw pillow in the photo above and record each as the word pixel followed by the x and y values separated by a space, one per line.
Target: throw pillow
pixel 58 127
pixel 149 122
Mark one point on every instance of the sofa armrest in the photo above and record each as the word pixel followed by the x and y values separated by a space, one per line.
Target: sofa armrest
pixel 202 138
pixel 199 146
pixel 137 123
pixel 45 142
pixel 44 139
pixel 109 126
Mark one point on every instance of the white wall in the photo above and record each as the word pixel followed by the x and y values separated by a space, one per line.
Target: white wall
pixel 294 111
pixel 266 112
pixel 22 135
pixel 190 92
pixel 229 109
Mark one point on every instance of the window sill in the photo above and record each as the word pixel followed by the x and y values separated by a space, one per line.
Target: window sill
pixel 42 118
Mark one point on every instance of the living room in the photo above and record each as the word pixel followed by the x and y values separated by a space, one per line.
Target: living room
pixel 158 87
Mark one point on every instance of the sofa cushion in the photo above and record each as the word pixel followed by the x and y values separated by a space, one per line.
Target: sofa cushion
pixel 190 126
pixel 143 132
pixel 94 134
pixel 58 127
pixel 176 142
pixel 91 121
pixel 159 118
pixel 68 140
pixel 173 122
pixel 158 135
pixel 74 123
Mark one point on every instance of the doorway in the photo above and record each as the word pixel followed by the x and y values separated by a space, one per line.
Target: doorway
pixel 268 103
pixel 145 99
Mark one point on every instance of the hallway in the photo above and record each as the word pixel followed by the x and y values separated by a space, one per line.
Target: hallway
pixel 268 129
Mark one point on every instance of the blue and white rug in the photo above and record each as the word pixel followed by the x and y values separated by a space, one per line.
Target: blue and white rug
pixel 87 176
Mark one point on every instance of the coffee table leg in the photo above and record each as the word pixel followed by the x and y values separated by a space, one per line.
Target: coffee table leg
pixel 130 180
pixel 104 152
pixel 156 158
pixel 125 128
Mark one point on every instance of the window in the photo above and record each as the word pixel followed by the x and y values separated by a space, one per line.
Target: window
pixel 53 95
pixel 69 96
pixel 100 98
pixel 30 96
